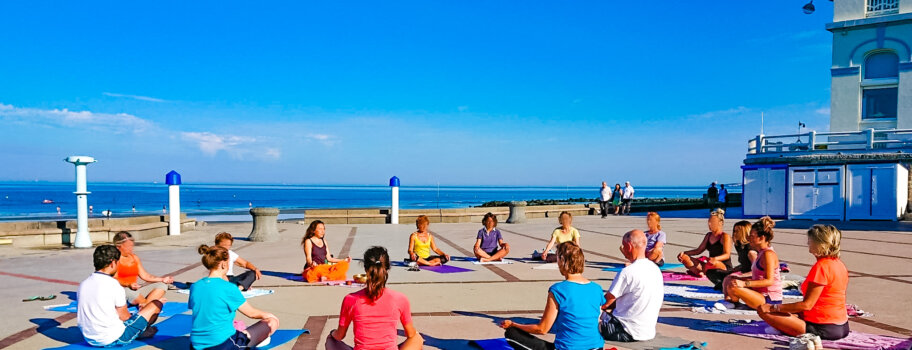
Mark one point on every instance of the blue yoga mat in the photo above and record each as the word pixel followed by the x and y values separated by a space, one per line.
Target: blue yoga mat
pixel 663 268
pixel 175 326
pixel 179 326
pixel 492 344
pixel 170 308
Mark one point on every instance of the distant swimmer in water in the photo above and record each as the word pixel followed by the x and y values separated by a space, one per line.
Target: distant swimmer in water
pixel 58 210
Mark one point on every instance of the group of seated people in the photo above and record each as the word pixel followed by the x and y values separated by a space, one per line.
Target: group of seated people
pixel 577 311
pixel 757 280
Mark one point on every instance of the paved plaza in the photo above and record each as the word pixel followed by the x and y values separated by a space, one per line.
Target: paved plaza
pixel 449 309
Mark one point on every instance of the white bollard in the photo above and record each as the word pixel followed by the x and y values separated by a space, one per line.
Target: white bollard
pixel 394 213
pixel 173 179
pixel 83 240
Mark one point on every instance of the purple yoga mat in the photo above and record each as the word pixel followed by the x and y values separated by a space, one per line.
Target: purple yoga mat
pixel 854 341
pixel 445 269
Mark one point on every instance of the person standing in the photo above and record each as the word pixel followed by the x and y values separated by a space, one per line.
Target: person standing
pixel 723 197
pixel 616 195
pixel 604 199
pixel 712 196
pixel 627 198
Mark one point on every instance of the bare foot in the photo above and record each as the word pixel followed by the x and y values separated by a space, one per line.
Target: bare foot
pixel 484 259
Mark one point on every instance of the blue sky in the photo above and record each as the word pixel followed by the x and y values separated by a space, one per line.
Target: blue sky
pixel 460 93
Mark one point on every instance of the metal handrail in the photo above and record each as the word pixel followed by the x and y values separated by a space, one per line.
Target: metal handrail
pixel 809 142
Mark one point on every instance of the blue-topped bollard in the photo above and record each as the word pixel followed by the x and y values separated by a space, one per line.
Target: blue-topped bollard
pixel 394 213
pixel 173 179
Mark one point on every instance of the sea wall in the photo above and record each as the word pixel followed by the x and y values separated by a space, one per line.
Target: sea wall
pixel 101 230
pixel 406 216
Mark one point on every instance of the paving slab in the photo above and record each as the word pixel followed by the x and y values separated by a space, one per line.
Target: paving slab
pixel 448 309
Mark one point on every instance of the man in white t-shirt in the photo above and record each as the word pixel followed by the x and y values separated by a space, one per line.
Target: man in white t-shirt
pixel 102 313
pixel 636 293
pixel 626 198
pixel 604 199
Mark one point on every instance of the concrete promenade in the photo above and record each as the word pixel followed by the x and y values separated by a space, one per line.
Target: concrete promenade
pixel 449 309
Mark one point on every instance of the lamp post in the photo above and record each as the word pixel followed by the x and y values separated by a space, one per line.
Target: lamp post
pixel 83 240
pixel 394 213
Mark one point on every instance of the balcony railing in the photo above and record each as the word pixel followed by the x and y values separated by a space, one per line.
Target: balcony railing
pixel 813 141
pixel 881 7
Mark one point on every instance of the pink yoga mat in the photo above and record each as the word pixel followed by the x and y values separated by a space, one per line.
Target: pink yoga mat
pixel 854 341
pixel 669 276
pixel 445 269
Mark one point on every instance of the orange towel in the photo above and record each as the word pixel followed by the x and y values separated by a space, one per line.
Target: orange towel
pixel 334 272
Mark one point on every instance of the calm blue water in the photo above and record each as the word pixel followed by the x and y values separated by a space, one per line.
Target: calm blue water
pixel 20 201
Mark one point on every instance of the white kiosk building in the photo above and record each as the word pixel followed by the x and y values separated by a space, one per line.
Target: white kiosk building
pixel 859 170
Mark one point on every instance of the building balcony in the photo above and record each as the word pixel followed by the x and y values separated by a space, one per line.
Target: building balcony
pixel 875 8
pixel 870 145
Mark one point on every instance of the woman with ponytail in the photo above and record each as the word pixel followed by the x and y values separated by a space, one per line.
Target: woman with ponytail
pixel 375 310
pixel 764 285
pixel 214 302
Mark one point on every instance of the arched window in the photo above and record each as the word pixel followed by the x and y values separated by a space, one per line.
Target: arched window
pixel 880 86
pixel 881 65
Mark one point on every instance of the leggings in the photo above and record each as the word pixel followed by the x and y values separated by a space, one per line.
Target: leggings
pixel 244 280
pixel 331 272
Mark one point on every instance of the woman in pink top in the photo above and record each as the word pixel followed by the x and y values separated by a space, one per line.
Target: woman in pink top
pixel 375 310
pixel 764 286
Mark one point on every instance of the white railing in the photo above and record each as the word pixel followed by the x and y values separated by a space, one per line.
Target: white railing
pixel 881 7
pixel 831 141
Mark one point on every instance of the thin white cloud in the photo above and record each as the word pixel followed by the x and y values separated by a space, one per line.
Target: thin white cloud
pixel 823 111
pixel 721 113
pixel 326 140
pixel 115 123
pixel 211 144
pixel 135 97
pixel 462 108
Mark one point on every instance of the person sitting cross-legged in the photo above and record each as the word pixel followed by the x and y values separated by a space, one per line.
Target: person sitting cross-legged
pixel 635 295
pixel 571 311
pixel 101 309
pixel 489 244
pixel 421 244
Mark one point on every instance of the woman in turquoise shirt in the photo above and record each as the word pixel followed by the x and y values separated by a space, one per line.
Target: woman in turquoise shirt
pixel 572 311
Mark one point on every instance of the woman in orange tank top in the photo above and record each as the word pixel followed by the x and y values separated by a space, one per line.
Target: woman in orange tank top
pixel 823 311
pixel 130 270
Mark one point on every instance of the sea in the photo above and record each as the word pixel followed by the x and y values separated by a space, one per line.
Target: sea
pixel 231 202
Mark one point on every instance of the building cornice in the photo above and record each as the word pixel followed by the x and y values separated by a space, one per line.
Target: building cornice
pixel 873 21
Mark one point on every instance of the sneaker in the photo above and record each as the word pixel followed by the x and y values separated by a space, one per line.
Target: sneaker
pixel 264 342
pixel 413 266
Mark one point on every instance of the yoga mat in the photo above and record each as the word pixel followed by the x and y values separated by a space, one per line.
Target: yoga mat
pixel 707 292
pixel 548 266
pixel 250 293
pixel 170 308
pixel 283 336
pixel 175 326
pixel 445 269
pixel 660 341
pixel 491 344
pixel 854 341
pixel 669 276
pixel 501 262
pixel 620 267
pixel 851 309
